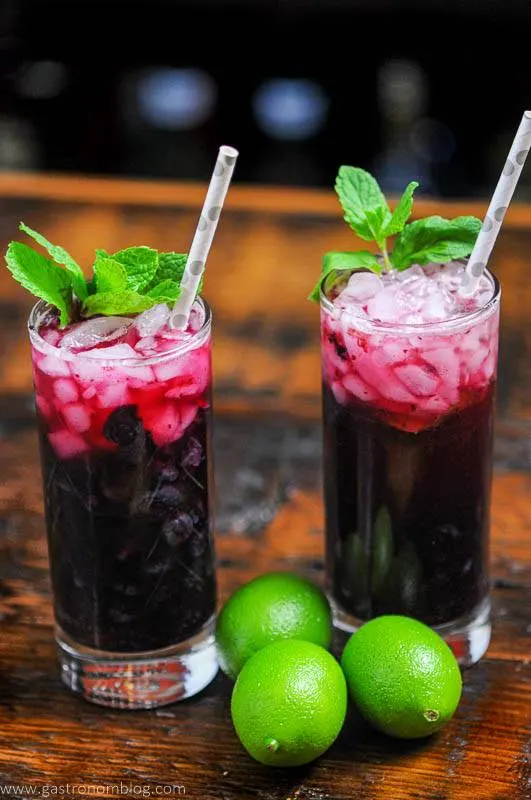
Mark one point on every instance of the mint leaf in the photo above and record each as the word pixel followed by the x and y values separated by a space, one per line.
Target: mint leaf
pixel 109 274
pixel 348 261
pixel 108 303
pixel 141 264
pixel 166 291
pixel 171 265
pixel 60 256
pixel 402 212
pixel 435 240
pixel 41 277
pixel 363 202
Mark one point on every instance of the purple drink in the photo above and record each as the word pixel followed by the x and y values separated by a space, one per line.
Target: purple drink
pixel 123 408
pixel 408 375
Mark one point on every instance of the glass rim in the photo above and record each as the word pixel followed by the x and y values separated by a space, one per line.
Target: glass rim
pixel 452 323
pixel 196 340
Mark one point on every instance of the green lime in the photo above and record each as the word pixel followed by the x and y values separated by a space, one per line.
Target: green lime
pixel 277 605
pixel 402 676
pixel 289 703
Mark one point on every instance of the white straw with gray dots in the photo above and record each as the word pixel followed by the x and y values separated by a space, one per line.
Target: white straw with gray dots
pixel 202 242
pixel 492 223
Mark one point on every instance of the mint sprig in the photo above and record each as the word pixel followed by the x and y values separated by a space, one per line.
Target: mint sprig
pixel 431 240
pixel 41 277
pixel 126 282
pixel 435 240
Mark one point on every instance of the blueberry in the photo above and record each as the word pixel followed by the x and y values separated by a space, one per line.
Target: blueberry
pixel 194 454
pixel 123 426
pixel 178 530
pixel 168 473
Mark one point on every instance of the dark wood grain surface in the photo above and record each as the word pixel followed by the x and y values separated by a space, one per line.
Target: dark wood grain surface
pixel 265 258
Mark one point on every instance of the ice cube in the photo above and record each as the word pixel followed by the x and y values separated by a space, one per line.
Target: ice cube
pixel 340 393
pixel 147 345
pixel 116 351
pixel 360 288
pixel 421 381
pixel 163 422
pixel 90 392
pixel 383 380
pixel 67 444
pixel 446 362
pixel 354 343
pixel 50 335
pixel 182 366
pixel 384 306
pixel 358 388
pixel 43 406
pixel 151 321
pixel 435 404
pixel 138 376
pixel 196 320
pixel 52 365
pixel 434 308
pixel 390 353
pixel 77 417
pixel 66 390
pixel 414 273
pixel 473 359
pixel 100 330
pixel 113 394
pixel 88 371
pixel 188 413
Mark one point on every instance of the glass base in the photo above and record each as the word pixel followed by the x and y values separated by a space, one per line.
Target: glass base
pixel 468 637
pixel 139 680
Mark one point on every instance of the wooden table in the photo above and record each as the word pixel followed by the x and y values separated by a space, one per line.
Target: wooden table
pixel 266 257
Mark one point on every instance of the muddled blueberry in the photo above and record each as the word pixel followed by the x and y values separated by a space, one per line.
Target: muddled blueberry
pixel 178 529
pixel 341 350
pixel 168 473
pixel 194 453
pixel 122 426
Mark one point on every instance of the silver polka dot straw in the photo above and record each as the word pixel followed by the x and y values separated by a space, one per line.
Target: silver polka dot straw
pixel 202 241
pixel 501 198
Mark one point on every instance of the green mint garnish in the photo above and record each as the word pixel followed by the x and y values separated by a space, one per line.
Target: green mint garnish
pixel 110 303
pixel 435 240
pixel 366 210
pixel 60 256
pixel 109 275
pixel 126 282
pixel 331 261
pixel 41 277
pixel 140 263
pixel 167 291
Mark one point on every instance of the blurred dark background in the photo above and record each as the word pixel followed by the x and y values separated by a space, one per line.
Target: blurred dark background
pixel 432 89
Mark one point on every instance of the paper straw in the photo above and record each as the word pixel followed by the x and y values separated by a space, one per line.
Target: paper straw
pixel 204 234
pixel 492 223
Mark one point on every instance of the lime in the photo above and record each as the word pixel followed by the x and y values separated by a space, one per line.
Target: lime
pixel 402 676
pixel 289 703
pixel 277 605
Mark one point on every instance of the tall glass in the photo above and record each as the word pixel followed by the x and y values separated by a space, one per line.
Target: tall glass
pixel 408 418
pixel 125 447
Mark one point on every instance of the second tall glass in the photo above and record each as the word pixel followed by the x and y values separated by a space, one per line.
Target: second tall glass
pixel 408 417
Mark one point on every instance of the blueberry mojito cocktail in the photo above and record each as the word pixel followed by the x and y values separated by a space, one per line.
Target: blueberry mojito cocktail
pixel 409 368
pixel 123 408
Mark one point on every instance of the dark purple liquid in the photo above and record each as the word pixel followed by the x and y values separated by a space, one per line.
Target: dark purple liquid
pixel 407 514
pixel 131 549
